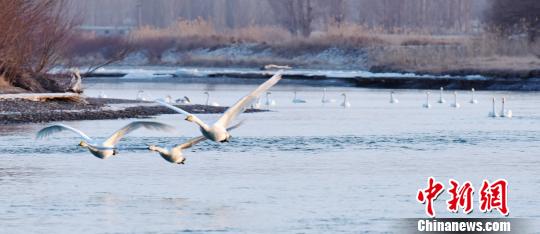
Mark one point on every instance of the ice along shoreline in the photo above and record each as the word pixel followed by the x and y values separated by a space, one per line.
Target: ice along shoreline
pixel 511 81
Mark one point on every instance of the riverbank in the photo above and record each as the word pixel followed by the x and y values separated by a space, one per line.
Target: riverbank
pixel 25 111
pixel 459 79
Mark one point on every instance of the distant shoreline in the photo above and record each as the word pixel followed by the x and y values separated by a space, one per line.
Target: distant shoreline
pixel 24 111
pixel 512 80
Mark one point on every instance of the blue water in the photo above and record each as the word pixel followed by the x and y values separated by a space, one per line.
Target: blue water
pixel 300 168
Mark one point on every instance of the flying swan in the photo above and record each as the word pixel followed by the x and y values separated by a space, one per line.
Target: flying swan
pixel 175 155
pixel 107 148
pixel 218 131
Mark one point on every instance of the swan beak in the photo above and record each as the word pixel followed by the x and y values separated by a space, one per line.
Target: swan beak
pixel 189 118
pixel 115 152
pixel 182 162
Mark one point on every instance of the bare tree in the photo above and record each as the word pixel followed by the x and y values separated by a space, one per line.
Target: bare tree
pixel 33 36
pixel 295 15
pixel 516 17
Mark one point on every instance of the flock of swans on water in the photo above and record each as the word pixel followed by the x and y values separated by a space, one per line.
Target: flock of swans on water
pixel 219 131
pixel 504 113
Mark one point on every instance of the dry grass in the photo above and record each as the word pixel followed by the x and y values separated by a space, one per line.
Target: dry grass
pixel 399 49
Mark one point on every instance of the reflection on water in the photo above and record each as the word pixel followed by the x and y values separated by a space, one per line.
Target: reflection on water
pixel 300 168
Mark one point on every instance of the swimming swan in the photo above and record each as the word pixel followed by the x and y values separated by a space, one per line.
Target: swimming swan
pixel 441 99
pixel 102 95
pixel 107 148
pixel 455 104
pixel 184 100
pixel 168 99
pixel 427 105
pixel 345 103
pixel 175 155
pixel 473 98
pixel 505 113
pixel 298 100
pixel 208 100
pixel 269 102
pixel 493 113
pixel 218 131
pixel 326 100
pixel 393 99
pixel 256 104
pixel 140 96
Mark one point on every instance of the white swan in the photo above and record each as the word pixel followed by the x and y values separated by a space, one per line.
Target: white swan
pixel 269 102
pixel 473 98
pixel 102 94
pixel 218 131
pixel 168 99
pixel 107 148
pixel 456 103
pixel 175 154
pixel 75 85
pixel 184 100
pixel 257 104
pixel 298 100
pixel 427 105
pixel 493 113
pixel 208 103
pixel 392 98
pixel 326 100
pixel 441 99
pixel 505 113
pixel 141 96
pixel 345 103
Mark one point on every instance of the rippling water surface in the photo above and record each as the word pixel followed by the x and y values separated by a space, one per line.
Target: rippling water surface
pixel 300 168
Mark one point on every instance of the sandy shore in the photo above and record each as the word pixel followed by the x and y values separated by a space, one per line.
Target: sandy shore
pixel 23 111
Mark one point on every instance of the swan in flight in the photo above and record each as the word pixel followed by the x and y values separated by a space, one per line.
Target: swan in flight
pixel 455 104
pixel 427 105
pixel 473 98
pixel 345 103
pixel 493 113
pixel 141 96
pixel 175 154
pixel 102 94
pixel 208 100
pixel 441 99
pixel 505 113
pixel 184 100
pixel 107 148
pixel 75 84
pixel 269 102
pixel 298 100
pixel 326 100
pixel 392 98
pixel 218 131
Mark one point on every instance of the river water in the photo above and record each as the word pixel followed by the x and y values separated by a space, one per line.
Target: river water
pixel 300 168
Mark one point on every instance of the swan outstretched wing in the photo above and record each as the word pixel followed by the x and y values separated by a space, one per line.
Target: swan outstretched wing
pixel 190 143
pixel 244 102
pixel 45 132
pixel 115 137
pixel 174 108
